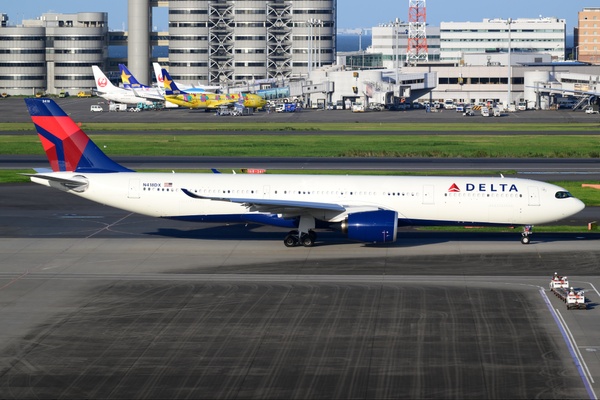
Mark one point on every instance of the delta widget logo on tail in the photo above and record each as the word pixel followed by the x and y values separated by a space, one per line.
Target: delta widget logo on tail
pixel 484 187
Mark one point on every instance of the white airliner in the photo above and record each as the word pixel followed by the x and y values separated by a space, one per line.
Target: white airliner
pixel 366 208
pixel 131 83
pixel 110 92
pixel 188 88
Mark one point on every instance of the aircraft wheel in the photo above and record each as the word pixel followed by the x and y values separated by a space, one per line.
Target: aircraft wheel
pixel 525 240
pixel 308 240
pixel 290 241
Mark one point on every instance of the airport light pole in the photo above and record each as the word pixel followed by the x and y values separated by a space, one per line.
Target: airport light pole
pixel 362 64
pixel 313 23
pixel 396 52
pixel 319 25
pixel 310 25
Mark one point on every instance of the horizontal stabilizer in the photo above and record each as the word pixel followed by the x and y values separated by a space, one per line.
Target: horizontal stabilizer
pixel 70 183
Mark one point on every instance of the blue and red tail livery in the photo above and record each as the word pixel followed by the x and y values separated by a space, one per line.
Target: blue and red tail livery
pixel 67 147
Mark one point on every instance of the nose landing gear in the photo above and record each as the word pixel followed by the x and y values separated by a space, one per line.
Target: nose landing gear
pixel 527 231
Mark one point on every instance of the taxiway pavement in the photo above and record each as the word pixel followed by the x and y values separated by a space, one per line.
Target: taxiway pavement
pixel 97 302
pixel 100 303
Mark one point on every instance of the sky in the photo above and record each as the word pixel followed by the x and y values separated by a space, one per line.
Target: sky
pixel 351 13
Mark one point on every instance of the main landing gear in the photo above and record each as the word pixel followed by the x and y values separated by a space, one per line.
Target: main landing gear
pixel 294 239
pixel 527 231
pixel 304 236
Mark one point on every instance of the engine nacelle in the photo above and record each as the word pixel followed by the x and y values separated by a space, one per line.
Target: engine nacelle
pixel 372 226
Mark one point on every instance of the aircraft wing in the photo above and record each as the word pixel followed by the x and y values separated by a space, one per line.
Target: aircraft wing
pixel 274 206
pixel 149 96
pixel 218 103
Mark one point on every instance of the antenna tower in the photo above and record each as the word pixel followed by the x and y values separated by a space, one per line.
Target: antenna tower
pixel 417 35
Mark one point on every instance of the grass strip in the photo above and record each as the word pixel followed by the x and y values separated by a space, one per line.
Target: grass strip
pixel 243 125
pixel 322 145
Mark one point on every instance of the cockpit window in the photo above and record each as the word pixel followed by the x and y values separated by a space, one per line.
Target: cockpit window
pixel 563 195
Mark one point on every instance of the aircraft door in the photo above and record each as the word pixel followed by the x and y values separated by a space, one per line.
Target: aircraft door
pixel 428 197
pixel 134 189
pixel 266 192
pixel 534 195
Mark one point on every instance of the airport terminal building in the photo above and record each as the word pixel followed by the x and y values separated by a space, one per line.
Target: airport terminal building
pixel 53 53
pixel 222 42
pixel 250 45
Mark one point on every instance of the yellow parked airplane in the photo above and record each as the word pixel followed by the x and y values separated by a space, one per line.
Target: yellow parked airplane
pixel 192 98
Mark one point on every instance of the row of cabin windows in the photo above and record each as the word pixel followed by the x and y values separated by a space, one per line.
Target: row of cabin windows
pixel 399 194
pixel 159 189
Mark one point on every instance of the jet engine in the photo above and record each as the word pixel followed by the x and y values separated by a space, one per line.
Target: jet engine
pixel 372 226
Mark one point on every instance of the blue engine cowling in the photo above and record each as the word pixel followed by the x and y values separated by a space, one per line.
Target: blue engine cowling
pixel 372 226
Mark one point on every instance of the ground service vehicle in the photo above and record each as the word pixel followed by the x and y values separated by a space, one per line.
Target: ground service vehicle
pixel 574 298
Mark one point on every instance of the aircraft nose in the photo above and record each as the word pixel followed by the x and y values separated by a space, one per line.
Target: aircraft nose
pixel 575 207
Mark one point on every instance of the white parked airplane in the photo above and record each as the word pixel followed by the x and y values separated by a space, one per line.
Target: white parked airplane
pixel 183 86
pixel 110 92
pixel 366 208
pixel 131 83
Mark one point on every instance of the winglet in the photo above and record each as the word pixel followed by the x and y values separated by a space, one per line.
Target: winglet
pixel 67 147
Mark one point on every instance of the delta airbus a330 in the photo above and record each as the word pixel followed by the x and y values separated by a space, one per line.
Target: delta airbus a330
pixel 366 208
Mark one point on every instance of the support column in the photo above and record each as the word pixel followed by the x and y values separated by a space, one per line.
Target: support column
pixel 138 43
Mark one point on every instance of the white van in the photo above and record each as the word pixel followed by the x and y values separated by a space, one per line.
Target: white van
pixel 96 108
pixel 449 104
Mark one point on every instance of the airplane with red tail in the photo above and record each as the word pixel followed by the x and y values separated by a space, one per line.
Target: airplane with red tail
pixel 366 208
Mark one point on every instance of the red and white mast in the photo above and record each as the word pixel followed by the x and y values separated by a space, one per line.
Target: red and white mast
pixel 417 35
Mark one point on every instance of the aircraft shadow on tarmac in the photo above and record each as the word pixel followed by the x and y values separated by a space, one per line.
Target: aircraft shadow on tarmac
pixel 330 238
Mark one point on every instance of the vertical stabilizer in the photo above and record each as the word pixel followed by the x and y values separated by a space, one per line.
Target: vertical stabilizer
pixel 129 81
pixel 169 85
pixel 67 147
pixel 158 74
pixel 103 84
